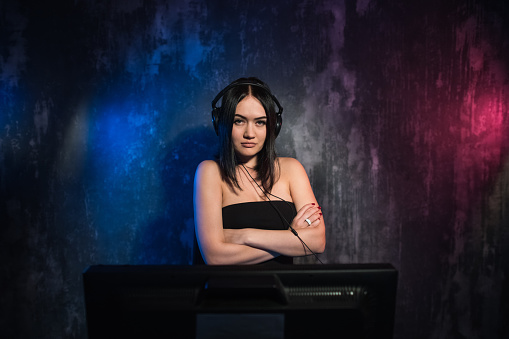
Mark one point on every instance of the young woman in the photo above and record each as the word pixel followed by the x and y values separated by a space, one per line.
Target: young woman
pixel 250 206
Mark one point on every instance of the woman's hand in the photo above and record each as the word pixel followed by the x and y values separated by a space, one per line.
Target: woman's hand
pixel 308 216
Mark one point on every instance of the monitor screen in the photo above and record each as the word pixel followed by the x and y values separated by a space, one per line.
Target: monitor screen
pixel 283 301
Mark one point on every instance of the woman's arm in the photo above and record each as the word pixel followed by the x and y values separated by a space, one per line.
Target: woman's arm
pixel 209 223
pixel 285 242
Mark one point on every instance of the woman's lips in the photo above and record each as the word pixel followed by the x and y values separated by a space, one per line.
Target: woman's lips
pixel 248 144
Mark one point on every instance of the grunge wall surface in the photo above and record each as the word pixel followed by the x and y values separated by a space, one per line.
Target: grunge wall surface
pixel 397 110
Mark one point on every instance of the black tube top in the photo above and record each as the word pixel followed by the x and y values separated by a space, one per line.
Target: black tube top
pixel 266 215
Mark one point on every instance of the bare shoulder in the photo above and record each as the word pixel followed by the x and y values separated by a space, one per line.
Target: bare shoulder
pixel 291 168
pixel 208 165
pixel 208 170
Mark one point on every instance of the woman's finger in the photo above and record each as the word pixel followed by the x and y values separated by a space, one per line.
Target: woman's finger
pixel 307 216
pixel 314 219
pixel 305 210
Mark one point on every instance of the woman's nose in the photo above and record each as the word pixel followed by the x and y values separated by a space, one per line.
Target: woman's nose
pixel 249 131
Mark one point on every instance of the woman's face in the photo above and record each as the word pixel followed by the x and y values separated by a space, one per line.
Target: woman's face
pixel 249 128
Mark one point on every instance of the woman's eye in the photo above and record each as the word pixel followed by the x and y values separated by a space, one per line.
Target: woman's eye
pixel 261 123
pixel 238 121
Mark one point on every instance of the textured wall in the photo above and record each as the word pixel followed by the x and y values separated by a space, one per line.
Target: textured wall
pixel 398 111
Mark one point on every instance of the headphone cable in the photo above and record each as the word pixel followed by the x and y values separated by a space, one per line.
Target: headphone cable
pixel 280 214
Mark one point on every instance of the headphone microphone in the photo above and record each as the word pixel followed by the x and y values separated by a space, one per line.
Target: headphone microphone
pixel 216 111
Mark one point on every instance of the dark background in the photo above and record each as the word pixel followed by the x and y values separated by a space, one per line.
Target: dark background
pixel 398 110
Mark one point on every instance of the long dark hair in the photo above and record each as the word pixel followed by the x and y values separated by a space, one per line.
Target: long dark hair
pixel 267 158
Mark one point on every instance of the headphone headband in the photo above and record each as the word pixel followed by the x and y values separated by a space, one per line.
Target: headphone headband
pixel 216 110
pixel 242 83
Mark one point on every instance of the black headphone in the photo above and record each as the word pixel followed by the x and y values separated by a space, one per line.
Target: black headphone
pixel 217 110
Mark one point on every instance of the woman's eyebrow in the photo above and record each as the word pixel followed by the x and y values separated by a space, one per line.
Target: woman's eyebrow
pixel 243 117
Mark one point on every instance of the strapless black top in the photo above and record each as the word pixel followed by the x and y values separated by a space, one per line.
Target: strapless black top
pixel 267 215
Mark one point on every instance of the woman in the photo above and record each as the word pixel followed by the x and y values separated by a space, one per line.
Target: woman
pixel 246 202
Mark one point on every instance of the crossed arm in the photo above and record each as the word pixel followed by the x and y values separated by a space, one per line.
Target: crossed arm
pixel 251 246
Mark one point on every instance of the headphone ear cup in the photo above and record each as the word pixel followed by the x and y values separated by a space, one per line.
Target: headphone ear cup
pixel 215 123
pixel 279 123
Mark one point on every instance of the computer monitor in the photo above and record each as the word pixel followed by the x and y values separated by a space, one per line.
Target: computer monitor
pixel 293 301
